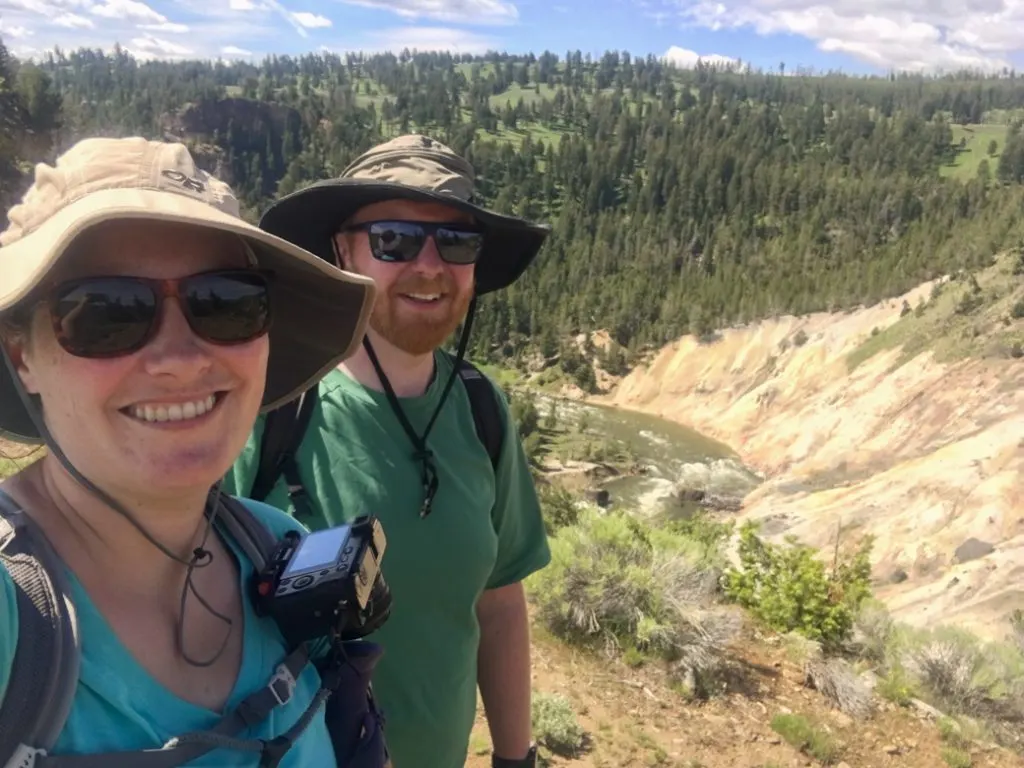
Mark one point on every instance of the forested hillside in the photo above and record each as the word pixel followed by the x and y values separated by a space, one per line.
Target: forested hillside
pixel 681 200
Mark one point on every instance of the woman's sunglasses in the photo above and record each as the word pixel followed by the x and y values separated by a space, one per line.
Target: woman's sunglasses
pixel 112 316
pixel 402 241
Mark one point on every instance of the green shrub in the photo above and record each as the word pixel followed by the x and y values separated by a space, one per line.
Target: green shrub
pixel 558 507
pixel 896 686
pixel 617 582
pixel 555 724
pixel 962 675
pixel 799 733
pixel 1017 629
pixel 872 631
pixel 524 414
pixel 703 527
pixel 956 758
pixel 954 668
pixel 790 589
pixel 951 733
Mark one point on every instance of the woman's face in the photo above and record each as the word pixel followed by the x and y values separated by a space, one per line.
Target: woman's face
pixel 137 424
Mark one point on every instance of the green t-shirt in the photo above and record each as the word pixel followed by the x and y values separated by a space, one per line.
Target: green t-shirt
pixel 485 531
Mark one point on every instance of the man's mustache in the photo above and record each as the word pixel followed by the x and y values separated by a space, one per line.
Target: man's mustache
pixel 440 285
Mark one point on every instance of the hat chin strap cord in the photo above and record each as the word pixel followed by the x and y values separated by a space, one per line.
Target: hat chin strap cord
pixel 422 454
pixel 201 557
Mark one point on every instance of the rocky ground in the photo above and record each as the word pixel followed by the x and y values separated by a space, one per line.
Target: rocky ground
pixel 632 717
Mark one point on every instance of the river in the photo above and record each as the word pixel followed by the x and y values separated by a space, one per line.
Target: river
pixel 674 456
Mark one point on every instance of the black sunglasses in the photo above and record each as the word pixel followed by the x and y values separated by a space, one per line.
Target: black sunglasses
pixel 118 315
pixel 402 241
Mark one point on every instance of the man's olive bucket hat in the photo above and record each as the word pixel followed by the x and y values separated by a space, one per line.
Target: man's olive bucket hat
pixel 319 312
pixel 411 167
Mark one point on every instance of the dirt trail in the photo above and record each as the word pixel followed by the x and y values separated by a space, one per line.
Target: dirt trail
pixel 925 455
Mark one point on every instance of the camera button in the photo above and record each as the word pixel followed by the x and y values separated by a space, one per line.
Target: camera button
pixel 302 581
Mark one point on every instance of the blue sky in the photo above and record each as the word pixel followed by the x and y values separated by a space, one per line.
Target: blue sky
pixel 851 35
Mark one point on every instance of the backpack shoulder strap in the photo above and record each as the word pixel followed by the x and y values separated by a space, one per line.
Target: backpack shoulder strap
pixel 283 433
pixel 44 675
pixel 483 400
pixel 248 531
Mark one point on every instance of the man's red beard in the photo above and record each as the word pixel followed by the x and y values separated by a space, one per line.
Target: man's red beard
pixel 419 333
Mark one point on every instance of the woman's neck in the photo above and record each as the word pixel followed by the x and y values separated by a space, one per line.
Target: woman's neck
pixel 98 542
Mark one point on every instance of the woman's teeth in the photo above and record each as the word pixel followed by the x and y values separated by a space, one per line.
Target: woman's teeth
pixel 174 411
pixel 424 296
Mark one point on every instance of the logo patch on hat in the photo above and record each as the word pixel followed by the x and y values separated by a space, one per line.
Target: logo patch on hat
pixel 183 180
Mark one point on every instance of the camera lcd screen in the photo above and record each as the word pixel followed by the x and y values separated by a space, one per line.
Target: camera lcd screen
pixel 319 549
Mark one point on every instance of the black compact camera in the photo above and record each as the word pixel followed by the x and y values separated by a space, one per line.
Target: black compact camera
pixel 327 583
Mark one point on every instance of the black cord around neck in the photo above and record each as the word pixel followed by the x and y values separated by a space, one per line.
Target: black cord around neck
pixel 421 453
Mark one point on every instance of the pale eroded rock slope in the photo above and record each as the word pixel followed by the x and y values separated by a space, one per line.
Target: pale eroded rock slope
pixel 925 454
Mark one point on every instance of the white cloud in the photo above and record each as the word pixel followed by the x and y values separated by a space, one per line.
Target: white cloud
pixel 683 57
pixel 73 21
pixel 475 11
pixel 149 47
pixel 424 39
pixel 311 20
pixel 918 35
pixel 166 26
pixel 286 15
pixel 47 8
pixel 15 31
pixel 234 50
pixel 241 5
pixel 127 9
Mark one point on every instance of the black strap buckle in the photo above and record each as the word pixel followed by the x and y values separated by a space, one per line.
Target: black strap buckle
pixel 274 751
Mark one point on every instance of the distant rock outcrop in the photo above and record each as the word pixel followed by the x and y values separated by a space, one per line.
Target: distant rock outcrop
pixel 207 118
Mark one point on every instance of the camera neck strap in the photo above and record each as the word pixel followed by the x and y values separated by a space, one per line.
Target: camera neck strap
pixel 422 454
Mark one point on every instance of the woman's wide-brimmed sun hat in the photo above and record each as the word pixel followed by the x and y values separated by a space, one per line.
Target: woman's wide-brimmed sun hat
pixel 319 311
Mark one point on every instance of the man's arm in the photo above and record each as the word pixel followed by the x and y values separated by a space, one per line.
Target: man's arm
pixel 504 669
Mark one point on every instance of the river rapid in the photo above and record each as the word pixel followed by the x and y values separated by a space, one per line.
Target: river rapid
pixel 672 455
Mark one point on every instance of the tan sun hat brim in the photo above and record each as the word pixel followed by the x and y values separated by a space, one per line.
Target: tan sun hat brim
pixel 319 311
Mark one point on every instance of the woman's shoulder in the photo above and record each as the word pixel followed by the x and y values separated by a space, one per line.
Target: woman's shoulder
pixel 277 521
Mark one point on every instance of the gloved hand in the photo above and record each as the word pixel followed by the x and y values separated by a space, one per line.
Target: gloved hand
pixel 529 761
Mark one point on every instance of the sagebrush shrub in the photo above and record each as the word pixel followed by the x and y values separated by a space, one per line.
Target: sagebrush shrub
pixel 555 724
pixel 617 582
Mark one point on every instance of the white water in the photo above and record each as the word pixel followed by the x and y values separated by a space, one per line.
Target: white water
pixel 676 457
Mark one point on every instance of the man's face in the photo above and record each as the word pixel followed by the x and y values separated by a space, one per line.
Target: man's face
pixel 419 303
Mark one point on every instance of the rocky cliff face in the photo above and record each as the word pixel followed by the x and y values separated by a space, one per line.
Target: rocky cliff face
pixel 207 117
pixel 224 132
pixel 925 455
